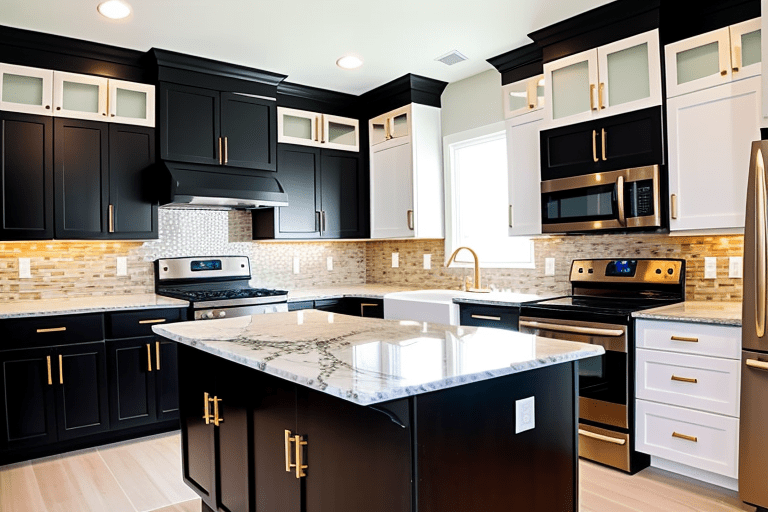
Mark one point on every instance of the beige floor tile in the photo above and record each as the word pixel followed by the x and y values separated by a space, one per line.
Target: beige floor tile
pixel 187 506
pixel 19 490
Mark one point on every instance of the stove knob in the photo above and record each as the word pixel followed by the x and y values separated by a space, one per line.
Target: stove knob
pixel 208 315
pixel 222 314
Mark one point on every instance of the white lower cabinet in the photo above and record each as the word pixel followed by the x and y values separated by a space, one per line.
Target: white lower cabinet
pixel 688 382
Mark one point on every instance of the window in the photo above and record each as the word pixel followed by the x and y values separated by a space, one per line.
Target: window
pixel 477 200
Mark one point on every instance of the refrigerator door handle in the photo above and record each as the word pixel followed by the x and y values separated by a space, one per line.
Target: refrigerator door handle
pixel 761 261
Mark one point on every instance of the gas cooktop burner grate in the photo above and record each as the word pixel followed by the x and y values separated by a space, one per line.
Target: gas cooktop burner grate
pixel 222 294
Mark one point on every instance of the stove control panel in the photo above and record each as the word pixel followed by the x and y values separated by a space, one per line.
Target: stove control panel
pixel 639 270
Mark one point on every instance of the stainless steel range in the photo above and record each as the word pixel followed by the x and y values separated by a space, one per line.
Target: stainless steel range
pixel 605 293
pixel 216 287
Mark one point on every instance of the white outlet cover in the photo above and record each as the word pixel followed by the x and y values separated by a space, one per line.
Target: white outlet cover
pixel 25 271
pixel 549 266
pixel 122 266
pixel 329 263
pixel 295 264
pixel 395 259
pixel 525 414
pixel 427 261
pixel 710 268
pixel 735 266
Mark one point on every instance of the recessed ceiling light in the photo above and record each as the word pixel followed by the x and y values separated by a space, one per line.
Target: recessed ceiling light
pixel 114 9
pixel 349 62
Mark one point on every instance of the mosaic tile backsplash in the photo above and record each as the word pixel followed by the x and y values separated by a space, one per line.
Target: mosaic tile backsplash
pixel 70 268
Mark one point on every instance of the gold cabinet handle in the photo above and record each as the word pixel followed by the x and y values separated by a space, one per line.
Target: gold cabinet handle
pixel 52 329
pixel 221 151
pixel 601 437
pixel 207 408
pixel 486 317
pixel 288 440
pixel 317 129
pixel 363 306
pixel 594 146
pixel 600 96
pixel 149 357
pixel 324 226
pixel 759 365
pixel 226 150
pixel 153 321
pixel 546 326
pixel 409 216
pixel 387 130
pixel 736 58
pixel 673 206
pixel 157 355
pixel 61 369
pixel 300 466
pixel 50 378
pixel 592 97
pixel 687 438
pixel 322 129
pixel 684 379
pixel 683 338
pixel 511 216
pixel 603 137
pixel 217 419
pixel 111 218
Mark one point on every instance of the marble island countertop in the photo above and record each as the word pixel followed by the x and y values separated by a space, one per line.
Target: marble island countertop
pixel 92 304
pixel 367 360
pixel 706 312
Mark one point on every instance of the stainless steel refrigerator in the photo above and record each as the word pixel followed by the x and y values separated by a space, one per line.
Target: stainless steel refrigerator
pixel 753 434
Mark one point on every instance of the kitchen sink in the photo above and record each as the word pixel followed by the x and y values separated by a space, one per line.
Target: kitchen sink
pixel 435 306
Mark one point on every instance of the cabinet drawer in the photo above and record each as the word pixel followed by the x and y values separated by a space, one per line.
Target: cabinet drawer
pixel 500 317
pixel 703 339
pixel 698 439
pixel 51 330
pixel 133 324
pixel 705 383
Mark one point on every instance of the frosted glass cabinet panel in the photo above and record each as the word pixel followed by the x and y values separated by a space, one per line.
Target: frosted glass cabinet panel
pixel 523 96
pixel 572 85
pixel 387 128
pixel 746 54
pixel 131 103
pixel 317 130
pixel 341 133
pixel 25 89
pixel 80 96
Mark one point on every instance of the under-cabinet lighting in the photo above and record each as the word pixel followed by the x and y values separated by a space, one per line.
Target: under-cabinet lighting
pixel 349 62
pixel 114 9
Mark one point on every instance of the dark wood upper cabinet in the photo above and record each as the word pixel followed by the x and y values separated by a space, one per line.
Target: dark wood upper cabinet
pixel 26 200
pixel 204 126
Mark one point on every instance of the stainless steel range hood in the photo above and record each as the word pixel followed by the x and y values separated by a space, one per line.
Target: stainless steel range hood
pixel 202 188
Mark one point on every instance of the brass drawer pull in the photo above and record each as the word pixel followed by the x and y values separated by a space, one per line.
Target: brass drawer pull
pixel 684 379
pixel 153 321
pixel 673 206
pixel 50 378
pixel 111 218
pixel 206 408
pixel 486 317
pixel 683 338
pixel 216 418
pixel 61 369
pixel 149 357
pixel 760 365
pixel 687 438
pixel 157 355
pixel 601 437
pixel 288 441
pixel 592 97
pixel 594 146
pixel 363 306
pixel 300 467
pixel 600 96
pixel 52 329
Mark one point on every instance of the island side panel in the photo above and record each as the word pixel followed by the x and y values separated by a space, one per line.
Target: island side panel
pixel 470 459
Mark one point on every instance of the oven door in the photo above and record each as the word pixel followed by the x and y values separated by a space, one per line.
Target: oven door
pixel 603 380
pixel 625 199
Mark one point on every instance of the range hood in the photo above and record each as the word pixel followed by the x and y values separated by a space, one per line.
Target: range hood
pixel 201 188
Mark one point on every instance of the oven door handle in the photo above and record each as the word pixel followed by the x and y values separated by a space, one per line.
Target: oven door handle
pixel 620 200
pixel 572 328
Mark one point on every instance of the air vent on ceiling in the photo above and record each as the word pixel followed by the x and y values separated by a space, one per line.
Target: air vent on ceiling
pixel 451 58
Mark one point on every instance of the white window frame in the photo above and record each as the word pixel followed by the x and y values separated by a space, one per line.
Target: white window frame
pixel 450 144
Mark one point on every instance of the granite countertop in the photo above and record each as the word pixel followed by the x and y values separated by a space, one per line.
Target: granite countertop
pixel 500 298
pixel 367 360
pixel 93 304
pixel 706 312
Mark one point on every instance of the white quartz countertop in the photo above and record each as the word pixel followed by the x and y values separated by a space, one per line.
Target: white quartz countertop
pixel 93 304
pixel 499 298
pixel 367 360
pixel 706 312
pixel 372 291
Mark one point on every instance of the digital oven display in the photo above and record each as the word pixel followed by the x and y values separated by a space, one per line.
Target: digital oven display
pixel 197 266
pixel 621 268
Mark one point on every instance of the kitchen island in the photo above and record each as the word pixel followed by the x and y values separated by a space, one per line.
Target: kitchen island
pixel 314 412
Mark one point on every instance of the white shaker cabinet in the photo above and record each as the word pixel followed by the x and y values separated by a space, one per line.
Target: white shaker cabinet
pixel 523 96
pixel 710 134
pixel 317 130
pixel 407 175
pixel 613 79
pixel 26 90
pixel 523 160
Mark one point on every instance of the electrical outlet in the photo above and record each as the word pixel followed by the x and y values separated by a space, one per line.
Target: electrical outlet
pixel 525 414
pixel 24 269
pixel 710 268
pixel 395 259
pixel 427 261
pixel 735 265
pixel 549 266
pixel 329 263
pixel 122 266
pixel 295 264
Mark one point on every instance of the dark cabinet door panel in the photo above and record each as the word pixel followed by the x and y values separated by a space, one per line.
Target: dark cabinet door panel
pixel 26 201
pixel 632 140
pixel 189 124
pixel 82 406
pixel 340 194
pixel 250 127
pixel 167 380
pixel 299 175
pixel 131 173
pixel 568 151
pixel 81 173
pixel 28 412
pixel 131 382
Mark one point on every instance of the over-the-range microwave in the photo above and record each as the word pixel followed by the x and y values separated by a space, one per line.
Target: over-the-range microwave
pixel 627 199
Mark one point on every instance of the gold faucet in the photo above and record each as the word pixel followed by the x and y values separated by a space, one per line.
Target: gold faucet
pixel 476 287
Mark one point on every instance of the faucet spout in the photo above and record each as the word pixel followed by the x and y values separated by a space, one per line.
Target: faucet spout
pixel 476 287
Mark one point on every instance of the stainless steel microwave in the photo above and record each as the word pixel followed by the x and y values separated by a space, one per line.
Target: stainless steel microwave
pixel 625 200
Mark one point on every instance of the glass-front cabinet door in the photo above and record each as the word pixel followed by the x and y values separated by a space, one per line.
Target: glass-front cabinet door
pixel 131 103
pixel 572 96
pixel 80 96
pixel 745 49
pixel 341 133
pixel 698 62
pixel 630 74
pixel 298 126
pixel 523 96
pixel 27 90
pixel 395 124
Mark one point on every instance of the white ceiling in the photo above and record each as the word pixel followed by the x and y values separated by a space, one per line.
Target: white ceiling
pixel 303 38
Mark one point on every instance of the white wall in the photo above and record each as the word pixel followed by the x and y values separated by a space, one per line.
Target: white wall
pixel 472 103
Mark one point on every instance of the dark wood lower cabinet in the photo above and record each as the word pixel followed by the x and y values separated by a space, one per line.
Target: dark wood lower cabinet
pixel 167 380
pixel 132 384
